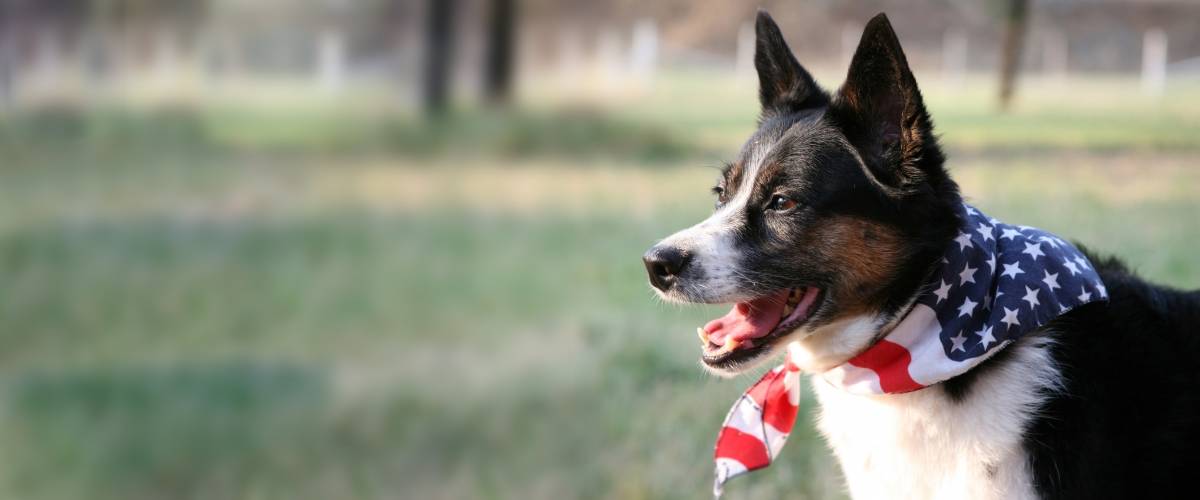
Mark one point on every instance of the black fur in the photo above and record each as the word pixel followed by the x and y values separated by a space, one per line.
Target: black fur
pixel 959 388
pixel 1127 423
pixel 883 113
pixel 784 86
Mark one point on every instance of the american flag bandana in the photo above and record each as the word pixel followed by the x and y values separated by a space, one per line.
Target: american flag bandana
pixel 996 283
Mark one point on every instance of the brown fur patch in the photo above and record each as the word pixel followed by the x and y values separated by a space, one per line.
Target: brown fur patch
pixel 867 254
pixel 768 174
pixel 733 177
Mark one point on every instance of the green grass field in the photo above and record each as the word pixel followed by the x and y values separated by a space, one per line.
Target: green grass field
pixel 319 301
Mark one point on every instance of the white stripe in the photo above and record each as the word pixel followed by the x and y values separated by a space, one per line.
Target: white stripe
pixel 732 467
pixel 775 440
pixel 791 382
pixel 920 333
pixel 746 417
pixel 727 468
pixel 739 201
pixel 853 379
pixel 915 327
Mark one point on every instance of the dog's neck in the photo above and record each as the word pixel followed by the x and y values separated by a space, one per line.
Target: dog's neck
pixel 833 344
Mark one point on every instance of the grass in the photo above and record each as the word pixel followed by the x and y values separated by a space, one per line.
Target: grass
pixel 205 304
pixel 576 132
pixel 142 444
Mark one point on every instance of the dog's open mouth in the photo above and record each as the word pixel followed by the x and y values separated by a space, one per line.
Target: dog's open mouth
pixel 751 328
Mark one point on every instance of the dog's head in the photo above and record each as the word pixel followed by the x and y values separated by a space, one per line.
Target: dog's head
pixel 830 218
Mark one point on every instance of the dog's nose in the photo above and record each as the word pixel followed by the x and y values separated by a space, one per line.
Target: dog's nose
pixel 664 263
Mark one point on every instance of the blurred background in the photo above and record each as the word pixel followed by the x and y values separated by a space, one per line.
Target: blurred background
pixel 322 249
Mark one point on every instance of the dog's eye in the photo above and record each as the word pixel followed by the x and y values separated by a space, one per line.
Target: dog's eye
pixel 780 203
pixel 720 192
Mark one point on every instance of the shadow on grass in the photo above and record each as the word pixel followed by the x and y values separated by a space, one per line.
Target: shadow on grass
pixel 574 133
pixel 48 131
pixel 566 133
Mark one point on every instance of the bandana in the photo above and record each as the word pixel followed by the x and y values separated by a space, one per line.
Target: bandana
pixel 996 282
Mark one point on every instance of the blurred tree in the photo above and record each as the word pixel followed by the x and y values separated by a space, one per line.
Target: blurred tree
pixel 439 53
pixel 498 65
pixel 1010 63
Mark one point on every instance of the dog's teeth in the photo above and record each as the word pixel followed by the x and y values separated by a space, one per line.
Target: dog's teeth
pixel 795 296
pixel 703 336
pixel 729 346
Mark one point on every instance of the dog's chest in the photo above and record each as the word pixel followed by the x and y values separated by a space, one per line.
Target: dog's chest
pixel 925 445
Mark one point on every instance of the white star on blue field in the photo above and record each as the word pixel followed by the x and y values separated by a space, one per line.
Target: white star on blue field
pixel 999 281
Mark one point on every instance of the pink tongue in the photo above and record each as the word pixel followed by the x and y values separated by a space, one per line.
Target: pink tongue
pixel 748 320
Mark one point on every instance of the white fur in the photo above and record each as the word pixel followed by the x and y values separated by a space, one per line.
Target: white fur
pixel 924 445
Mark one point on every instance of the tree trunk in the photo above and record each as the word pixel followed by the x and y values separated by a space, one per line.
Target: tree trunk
pixel 498 69
pixel 1014 37
pixel 439 54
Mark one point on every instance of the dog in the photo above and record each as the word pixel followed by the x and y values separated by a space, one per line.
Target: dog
pixel 828 227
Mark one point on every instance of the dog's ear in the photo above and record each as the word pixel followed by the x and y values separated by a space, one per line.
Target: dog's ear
pixel 881 111
pixel 783 85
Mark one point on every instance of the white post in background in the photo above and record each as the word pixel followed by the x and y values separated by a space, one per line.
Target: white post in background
pixel 224 56
pixel 1055 55
pixel 643 52
pixel 166 56
pixel 94 49
pixel 408 64
pixel 1154 61
pixel 207 59
pixel 608 57
pixel 331 60
pixel 47 65
pixel 851 33
pixel 954 58
pixel 570 57
pixel 743 65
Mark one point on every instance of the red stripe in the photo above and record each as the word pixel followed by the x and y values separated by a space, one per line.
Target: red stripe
pixel 744 448
pixel 761 391
pixel 778 409
pixel 890 361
